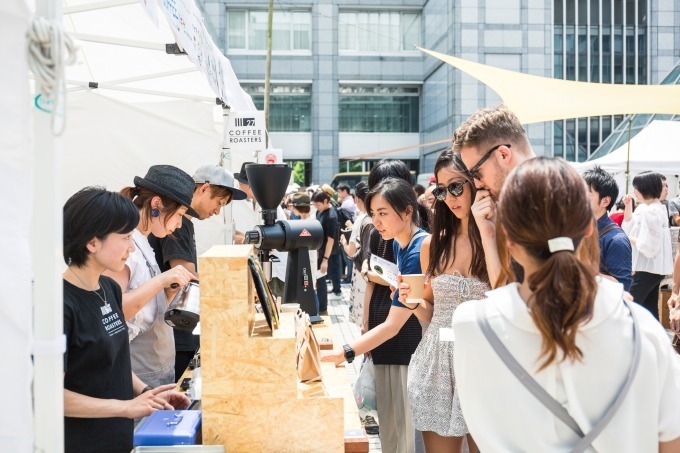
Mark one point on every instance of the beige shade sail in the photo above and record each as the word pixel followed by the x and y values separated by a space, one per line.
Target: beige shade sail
pixel 535 99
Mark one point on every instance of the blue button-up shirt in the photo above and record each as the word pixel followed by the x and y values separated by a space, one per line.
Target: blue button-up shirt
pixel 616 253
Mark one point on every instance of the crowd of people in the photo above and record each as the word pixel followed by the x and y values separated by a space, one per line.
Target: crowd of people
pixel 538 328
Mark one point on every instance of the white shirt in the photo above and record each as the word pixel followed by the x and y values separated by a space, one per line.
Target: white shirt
pixel 348 203
pixel 652 251
pixel 140 274
pixel 503 416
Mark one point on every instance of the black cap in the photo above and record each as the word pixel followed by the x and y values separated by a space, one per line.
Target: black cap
pixel 241 176
pixel 171 182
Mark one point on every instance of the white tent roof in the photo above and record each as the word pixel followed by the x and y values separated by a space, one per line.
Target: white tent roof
pixel 123 51
pixel 655 148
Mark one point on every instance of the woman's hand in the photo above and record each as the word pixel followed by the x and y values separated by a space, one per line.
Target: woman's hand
pixel 484 211
pixel 627 200
pixel 176 399
pixel 404 291
pixel 324 266
pixel 337 356
pixel 147 402
pixel 178 274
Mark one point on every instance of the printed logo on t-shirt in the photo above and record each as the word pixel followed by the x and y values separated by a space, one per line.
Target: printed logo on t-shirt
pixel 112 323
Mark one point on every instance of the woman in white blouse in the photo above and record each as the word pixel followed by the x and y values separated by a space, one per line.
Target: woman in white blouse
pixel 539 364
pixel 650 237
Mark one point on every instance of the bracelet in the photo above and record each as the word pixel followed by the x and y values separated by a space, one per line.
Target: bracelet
pixel 146 389
pixel 325 257
pixel 412 309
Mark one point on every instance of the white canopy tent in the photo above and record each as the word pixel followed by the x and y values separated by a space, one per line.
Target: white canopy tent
pixel 655 148
pixel 109 138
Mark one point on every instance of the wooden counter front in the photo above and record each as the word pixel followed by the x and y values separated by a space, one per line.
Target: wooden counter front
pixel 250 396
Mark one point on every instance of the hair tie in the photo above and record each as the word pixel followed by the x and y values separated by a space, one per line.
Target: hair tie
pixel 560 244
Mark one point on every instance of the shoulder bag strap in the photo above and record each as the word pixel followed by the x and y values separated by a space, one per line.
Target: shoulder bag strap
pixel 520 373
pixel 584 443
pixel 544 397
pixel 607 229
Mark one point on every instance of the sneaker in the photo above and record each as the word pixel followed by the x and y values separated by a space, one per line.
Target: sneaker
pixel 323 312
pixel 335 296
pixel 370 425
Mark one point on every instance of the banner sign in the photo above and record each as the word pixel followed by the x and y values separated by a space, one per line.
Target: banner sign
pixel 245 131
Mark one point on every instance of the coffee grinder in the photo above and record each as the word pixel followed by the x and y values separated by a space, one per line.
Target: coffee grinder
pixel 268 183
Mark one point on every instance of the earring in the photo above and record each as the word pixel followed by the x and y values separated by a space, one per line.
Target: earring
pixel 155 212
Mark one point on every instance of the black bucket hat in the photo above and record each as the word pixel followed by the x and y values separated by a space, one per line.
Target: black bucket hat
pixel 171 182
pixel 241 176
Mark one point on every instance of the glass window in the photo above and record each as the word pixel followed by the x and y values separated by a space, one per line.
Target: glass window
pixel 594 12
pixel 247 30
pixel 236 29
pixel 606 12
pixel 290 106
pixel 594 54
pixel 618 55
pixel 571 12
pixel 582 12
pixel 582 54
pixel 618 12
pixel 558 68
pixel 558 16
pixel 594 135
pixel 630 55
pixel 558 149
pixel 570 143
pixel 642 12
pixel 379 109
pixel 642 55
pixel 606 55
pixel 630 12
pixel 582 139
pixel 570 54
pixel 378 31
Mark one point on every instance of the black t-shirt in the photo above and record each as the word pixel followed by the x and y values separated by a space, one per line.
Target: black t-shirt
pixel 329 223
pixel 398 349
pixel 182 245
pixel 97 364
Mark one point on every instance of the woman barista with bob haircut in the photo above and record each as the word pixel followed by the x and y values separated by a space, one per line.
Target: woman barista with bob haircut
pixel 102 395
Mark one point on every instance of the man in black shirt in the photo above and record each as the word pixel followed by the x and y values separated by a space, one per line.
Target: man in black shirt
pixel 329 223
pixel 214 190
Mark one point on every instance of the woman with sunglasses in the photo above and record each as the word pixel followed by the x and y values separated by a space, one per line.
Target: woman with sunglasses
pixel 393 208
pixel 456 272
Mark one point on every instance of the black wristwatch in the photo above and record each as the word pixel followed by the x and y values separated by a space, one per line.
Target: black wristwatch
pixel 364 275
pixel 349 353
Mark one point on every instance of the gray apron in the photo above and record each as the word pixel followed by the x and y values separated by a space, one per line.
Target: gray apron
pixel 152 352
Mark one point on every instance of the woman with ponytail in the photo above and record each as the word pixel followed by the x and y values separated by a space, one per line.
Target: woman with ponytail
pixel 162 197
pixel 561 361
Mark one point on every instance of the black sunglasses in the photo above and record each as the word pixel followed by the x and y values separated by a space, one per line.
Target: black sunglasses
pixel 455 189
pixel 474 171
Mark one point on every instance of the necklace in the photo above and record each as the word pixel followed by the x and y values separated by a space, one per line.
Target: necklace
pixel 106 308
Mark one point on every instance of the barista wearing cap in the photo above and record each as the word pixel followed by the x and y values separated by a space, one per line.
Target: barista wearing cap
pixel 214 189
pixel 301 202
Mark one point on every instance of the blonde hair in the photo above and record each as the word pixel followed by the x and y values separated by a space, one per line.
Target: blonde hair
pixel 487 128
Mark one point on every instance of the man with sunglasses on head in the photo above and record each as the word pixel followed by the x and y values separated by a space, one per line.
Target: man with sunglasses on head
pixel 490 144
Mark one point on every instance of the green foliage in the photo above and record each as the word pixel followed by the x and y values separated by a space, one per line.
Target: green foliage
pixel 299 172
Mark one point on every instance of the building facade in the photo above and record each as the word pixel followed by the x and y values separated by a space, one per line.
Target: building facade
pixel 348 81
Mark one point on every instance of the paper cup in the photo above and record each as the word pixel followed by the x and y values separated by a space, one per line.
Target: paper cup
pixel 290 308
pixel 417 284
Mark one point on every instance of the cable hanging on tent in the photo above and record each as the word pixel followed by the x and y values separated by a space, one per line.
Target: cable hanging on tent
pixel 50 48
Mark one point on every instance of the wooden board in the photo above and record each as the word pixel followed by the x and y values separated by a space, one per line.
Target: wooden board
pixel 250 396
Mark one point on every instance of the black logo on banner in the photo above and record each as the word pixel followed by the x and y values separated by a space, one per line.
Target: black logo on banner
pixel 244 122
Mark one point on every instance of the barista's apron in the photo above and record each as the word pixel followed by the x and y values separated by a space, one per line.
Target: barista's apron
pixel 153 351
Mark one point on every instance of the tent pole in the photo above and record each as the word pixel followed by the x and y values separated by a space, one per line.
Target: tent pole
pixel 48 385
pixel 226 162
pixel 268 71
pixel 630 125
